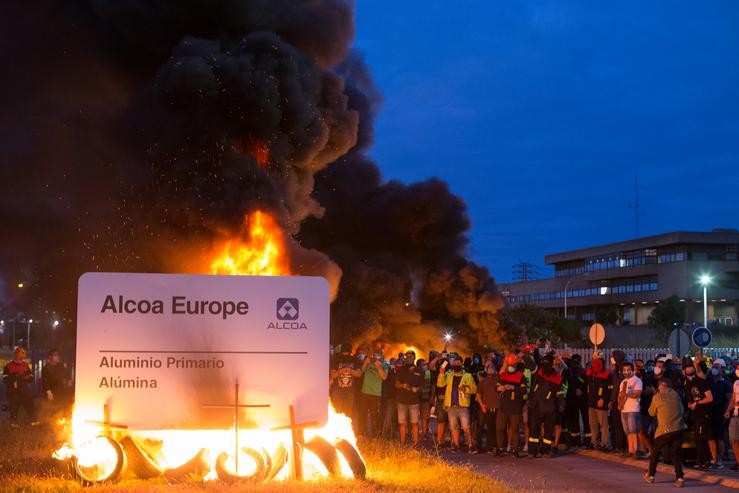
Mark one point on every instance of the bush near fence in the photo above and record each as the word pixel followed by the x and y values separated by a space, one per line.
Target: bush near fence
pixel 646 354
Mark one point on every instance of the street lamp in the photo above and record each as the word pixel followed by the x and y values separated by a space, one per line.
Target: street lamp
pixel 705 280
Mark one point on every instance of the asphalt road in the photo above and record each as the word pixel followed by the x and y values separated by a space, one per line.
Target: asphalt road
pixel 574 472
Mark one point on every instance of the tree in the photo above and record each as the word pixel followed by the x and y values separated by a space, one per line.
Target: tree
pixel 537 323
pixel 607 315
pixel 668 313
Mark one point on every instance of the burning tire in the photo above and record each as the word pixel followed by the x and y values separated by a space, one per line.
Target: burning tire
pixel 139 461
pixel 195 468
pixel 259 474
pixel 278 462
pixel 355 461
pixel 102 460
pixel 326 453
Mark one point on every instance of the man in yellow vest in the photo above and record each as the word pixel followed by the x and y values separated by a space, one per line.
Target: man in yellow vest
pixel 460 387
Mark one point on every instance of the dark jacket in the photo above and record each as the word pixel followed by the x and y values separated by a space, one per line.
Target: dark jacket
pixel 546 392
pixel 599 387
pixel 576 381
pixel 512 400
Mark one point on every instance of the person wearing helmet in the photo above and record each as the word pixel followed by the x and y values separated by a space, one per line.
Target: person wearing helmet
pixel 598 380
pixel 17 375
pixel 512 388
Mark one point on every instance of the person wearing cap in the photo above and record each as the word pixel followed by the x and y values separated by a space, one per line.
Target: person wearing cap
pixel 667 407
pixel 598 380
pixel 721 392
pixel 16 376
pixel 512 387
pixel 343 372
pixel 699 397
pixel 577 403
pixel 460 387
pixel 408 383
pixel 732 414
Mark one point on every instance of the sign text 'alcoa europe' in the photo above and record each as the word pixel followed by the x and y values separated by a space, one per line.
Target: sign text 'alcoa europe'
pixel 165 351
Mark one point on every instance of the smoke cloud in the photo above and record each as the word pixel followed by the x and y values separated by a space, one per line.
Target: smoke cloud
pixel 134 134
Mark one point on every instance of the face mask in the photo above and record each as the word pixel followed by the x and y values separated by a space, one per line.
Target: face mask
pixel 657 370
pixel 361 357
pixel 476 361
pixel 409 363
pixel 690 376
pixel 650 368
pixel 715 372
pixel 512 369
pixel 628 373
pixel 613 361
pixel 490 371
pixel 425 367
pixel 377 357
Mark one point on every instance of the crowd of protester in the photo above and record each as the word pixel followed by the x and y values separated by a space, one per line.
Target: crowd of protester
pixel 535 402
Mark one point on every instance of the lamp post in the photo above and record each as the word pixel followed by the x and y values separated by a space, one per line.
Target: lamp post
pixel 705 280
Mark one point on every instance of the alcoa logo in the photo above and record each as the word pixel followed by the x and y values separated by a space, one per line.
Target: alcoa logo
pixel 288 308
pixel 287 311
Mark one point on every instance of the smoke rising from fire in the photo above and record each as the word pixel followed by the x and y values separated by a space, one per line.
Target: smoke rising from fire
pixel 136 134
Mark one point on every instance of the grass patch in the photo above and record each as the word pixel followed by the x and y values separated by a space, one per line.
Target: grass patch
pixel 26 466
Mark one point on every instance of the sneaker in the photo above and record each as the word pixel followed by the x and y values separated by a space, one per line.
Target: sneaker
pixel 473 450
pixel 454 450
pixel 679 483
pixel 649 479
pixel 493 451
pixel 35 423
pixel 14 425
pixel 717 465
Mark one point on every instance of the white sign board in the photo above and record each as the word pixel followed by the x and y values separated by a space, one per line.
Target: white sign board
pixel 165 351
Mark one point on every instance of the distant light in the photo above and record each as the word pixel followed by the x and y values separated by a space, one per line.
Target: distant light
pixel 20 285
pixel 407 303
pixel 705 280
pixel 447 337
pixel 30 321
pixel 55 324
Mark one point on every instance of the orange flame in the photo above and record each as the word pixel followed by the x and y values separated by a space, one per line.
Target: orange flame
pixel 262 251
pixel 256 148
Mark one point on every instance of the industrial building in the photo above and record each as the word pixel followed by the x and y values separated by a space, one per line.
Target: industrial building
pixel 631 277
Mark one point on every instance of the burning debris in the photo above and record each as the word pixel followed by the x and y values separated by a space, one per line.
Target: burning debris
pixel 224 138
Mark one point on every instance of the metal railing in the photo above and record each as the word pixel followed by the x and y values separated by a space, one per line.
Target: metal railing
pixel 646 354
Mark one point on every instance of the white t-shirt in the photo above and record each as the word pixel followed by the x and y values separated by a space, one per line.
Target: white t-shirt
pixel 631 385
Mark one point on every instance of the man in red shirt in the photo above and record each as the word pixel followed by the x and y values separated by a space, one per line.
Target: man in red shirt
pixel 17 375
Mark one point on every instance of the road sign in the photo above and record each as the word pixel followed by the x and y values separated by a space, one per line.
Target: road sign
pixel 166 351
pixel 702 337
pixel 678 342
pixel 597 334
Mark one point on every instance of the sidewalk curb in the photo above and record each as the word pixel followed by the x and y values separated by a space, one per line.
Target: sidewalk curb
pixel 642 464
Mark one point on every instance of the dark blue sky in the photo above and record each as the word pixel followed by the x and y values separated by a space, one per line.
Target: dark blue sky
pixel 539 113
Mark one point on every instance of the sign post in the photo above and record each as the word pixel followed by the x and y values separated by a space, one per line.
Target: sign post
pixel 702 338
pixel 177 343
pixel 678 342
pixel 597 335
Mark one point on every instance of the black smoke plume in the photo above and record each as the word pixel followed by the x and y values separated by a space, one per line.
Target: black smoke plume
pixel 135 133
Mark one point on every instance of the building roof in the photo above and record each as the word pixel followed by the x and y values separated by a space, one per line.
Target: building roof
pixel 718 236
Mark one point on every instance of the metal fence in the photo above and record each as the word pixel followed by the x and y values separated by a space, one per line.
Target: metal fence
pixel 646 354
